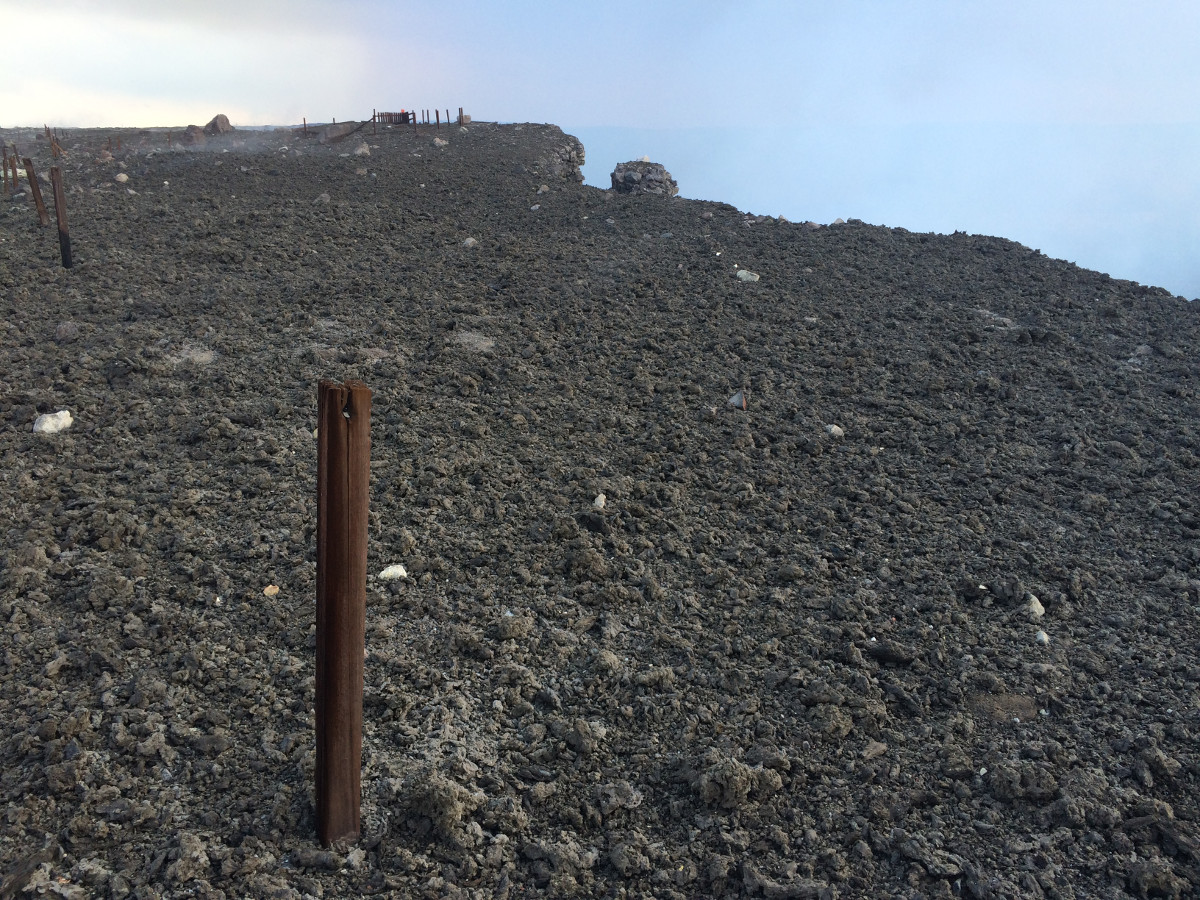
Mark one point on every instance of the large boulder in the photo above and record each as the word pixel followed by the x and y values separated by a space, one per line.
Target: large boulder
pixel 218 125
pixel 640 176
pixel 193 136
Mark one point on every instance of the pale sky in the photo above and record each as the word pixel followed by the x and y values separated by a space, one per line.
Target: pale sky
pixel 634 63
pixel 784 71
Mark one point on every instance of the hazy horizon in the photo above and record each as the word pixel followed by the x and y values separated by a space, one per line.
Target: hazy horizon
pixel 1071 127
pixel 1063 190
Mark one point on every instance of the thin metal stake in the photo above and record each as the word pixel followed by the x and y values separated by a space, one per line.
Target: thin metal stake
pixel 343 481
pixel 60 210
pixel 36 190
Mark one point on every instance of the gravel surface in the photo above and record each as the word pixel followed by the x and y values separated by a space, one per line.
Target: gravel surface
pixel 877 576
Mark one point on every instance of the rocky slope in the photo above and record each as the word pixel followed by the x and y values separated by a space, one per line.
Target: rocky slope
pixel 878 576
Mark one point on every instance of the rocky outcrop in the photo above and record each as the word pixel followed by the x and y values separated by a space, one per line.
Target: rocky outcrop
pixel 643 177
pixel 564 160
pixel 218 125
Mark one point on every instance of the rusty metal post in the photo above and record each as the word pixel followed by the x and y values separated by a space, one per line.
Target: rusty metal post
pixel 306 126
pixel 374 113
pixel 460 116
pixel 343 481
pixel 60 210
pixel 4 150
pixel 36 190
pixel 438 113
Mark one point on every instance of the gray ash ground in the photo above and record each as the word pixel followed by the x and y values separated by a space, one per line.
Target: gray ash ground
pixel 775 663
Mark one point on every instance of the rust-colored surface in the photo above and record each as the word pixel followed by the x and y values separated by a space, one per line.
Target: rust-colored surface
pixel 343 478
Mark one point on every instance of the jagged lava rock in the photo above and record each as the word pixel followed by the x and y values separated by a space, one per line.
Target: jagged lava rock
pixel 640 176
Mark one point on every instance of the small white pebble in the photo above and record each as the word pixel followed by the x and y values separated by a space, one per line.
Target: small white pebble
pixel 391 573
pixel 599 501
pixel 1043 638
pixel 834 431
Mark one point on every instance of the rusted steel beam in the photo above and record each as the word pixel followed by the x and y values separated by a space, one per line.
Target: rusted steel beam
pixel 343 480
pixel 36 190
pixel 60 210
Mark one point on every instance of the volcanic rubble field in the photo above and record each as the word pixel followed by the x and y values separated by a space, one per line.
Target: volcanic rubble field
pixel 947 648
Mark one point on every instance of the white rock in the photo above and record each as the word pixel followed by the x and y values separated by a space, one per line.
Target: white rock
pixel 122 177
pixel 535 207
pixel 322 198
pixel 391 573
pixel 1035 608
pixel 838 221
pixel 746 275
pixel 52 423
pixel 544 189
pixel 470 242
pixel 362 149
pixel 1042 638
pixel 438 142
pixel 599 501
pixel 835 431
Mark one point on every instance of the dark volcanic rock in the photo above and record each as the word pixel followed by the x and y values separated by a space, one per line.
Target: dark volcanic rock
pixel 643 177
pixel 768 662
pixel 219 125
pixel 194 136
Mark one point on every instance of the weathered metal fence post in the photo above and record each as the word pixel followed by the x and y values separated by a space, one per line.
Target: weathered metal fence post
pixel 36 190
pixel 60 210
pixel 343 481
